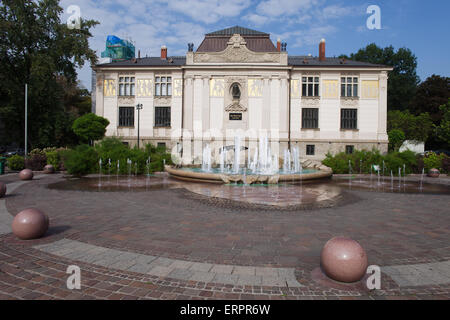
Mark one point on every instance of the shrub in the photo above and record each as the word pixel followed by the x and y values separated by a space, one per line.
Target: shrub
pixel 16 163
pixel 81 161
pixel 53 158
pixel 446 164
pixel 90 127
pixel 36 152
pixel 36 162
pixel 362 161
pixel 432 160
pixel 396 139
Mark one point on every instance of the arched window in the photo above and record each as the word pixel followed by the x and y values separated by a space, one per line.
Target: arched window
pixel 236 91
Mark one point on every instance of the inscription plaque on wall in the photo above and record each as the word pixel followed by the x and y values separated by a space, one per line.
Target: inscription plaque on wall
pixel 235 116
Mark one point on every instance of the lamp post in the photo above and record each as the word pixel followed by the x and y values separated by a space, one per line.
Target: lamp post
pixel 139 108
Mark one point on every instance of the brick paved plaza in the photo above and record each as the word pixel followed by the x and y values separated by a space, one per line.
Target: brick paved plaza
pixel 173 244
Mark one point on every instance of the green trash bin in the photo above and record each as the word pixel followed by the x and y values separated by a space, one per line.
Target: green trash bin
pixel 2 165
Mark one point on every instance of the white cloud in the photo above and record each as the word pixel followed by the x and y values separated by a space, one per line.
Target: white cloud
pixel 209 11
pixel 255 19
pixel 276 8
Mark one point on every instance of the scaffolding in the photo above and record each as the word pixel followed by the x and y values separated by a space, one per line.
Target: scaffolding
pixel 118 49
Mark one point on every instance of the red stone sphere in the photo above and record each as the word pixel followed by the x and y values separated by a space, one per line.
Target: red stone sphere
pixel 434 173
pixel 49 169
pixel 26 174
pixel 344 260
pixel 30 224
pixel 2 189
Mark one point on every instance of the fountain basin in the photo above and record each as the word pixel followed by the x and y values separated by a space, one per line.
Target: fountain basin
pixel 318 171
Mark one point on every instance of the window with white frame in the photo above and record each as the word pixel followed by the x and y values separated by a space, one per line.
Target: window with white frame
pixel 163 86
pixel 310 87
pixel 126 86
pixel 349 87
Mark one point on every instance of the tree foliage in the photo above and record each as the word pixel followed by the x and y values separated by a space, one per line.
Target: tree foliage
pixel 90 127
pixel 443 130
pixel 414 127
pixel 403 80
pixel 38 49
pixel 430 96
pixel 396 139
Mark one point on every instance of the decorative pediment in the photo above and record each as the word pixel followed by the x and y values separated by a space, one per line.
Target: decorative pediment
pixel 237 51
pixel 235 107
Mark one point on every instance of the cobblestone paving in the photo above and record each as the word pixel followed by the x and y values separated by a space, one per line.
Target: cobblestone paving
pixel 395 229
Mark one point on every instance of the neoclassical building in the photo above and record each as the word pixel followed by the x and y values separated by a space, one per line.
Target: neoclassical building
pixel 238 82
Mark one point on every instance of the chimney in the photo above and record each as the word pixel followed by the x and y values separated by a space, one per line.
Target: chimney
pixel 279 45
pixel 163 52
pixel 322 50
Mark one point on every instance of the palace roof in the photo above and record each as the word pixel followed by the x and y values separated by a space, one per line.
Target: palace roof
pixel 255 41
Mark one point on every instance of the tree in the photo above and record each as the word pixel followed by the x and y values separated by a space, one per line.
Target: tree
pixel 90 127
pixel 396 139
pixel 403 80
pixel 430 96
pixel 417 128
pixel 37 49
pixel 443 130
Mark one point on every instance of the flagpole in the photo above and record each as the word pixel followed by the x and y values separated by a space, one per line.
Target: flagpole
pixel 26 120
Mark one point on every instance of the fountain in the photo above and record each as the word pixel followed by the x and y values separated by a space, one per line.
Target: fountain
pixel 262 166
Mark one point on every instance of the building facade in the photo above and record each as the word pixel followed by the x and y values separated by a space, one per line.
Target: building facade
pixel 238 83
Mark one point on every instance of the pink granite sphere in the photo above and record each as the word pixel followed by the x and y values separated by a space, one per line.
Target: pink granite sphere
pixel 344 260
pixel 2 189
pixel 49 169
pixel 26 174
pixel 30 224
pixel 434 173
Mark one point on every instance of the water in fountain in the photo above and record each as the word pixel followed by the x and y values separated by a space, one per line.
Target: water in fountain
pixel 404 175
pixel 129 172
pixel 237 154
pixel 109 170
pixel 100 172
pixel 287 161
pixel 371 169
pixel 360 170
pixel 399 177
pixel 296 158
pixel 392 180
pixel 421 178
pixel 118 171
pixel 350 173
pixel 206 161
pixel 223 154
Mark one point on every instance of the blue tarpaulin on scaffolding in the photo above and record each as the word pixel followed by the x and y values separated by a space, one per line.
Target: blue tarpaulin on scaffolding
pixel 118 49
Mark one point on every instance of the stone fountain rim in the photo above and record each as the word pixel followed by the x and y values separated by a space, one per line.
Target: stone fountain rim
pixel 321 173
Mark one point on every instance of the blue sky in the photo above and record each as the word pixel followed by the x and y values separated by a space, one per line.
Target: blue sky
pixel 422 26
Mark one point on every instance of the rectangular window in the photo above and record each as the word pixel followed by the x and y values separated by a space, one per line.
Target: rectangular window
pixel 349 87
pixel 126 86
pixel 126 116
pixel 349 149
pixel 310 150
pixel 310 118
pixel 349 118
pixel 163 86
pixel 162 116
pixel 310 87
pixel 161 145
